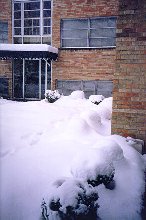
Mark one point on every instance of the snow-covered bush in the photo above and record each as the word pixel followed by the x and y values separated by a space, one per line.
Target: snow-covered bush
pixel 96 99
pixel 72 199
pixel 51 96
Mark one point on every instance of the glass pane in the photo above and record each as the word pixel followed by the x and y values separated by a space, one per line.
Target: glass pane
pixel 47 13
pixel 75 24
pixel 47 30
pixel 32 40
pixel 27 22
pixel 74 33
pixel 47 40
pixel 17 15
pixel 17 6
pixel 17 23
pixel 103 32
pixel 74 43
pixel 36 31
pixel 102 42
pixel 47 22
pixel 17 40
pixel 31 14
pixel 17 31
pixel 43 70
pixel 31 78
pixel 18 78
pixel 112 22
pixel 28 31
pixel 47 5
pixel 31 5
pixel 102 22
pixel 36 22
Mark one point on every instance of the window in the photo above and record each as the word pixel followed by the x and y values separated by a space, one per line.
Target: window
pixel 3 32
pixel 92 32
pixel 32 21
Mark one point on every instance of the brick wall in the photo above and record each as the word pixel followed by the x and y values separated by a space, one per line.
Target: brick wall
pixel 6 66
pixel 129 95
pixel 82 64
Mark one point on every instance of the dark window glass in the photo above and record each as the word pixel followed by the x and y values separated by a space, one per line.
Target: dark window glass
pixel 31 14
pixel 32 6
pixel 17 40
pixel 17 15
pixel 36 22
pixel 47 30
pixel 47 5
pixel 18 78
pixel 47 13
pixel 36 31
pixel 17 31
pixel 17 23
pixel 17 6
pixel 27 31
pixel 47 22
pixel 27 23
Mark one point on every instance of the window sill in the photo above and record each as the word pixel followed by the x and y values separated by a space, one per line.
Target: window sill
pixel 87 48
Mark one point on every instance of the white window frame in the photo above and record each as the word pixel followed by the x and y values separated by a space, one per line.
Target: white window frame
pixel 41 35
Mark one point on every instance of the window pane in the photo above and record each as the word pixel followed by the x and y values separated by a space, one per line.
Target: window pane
pixel 102 22
pixel 17 31
pixel 36 22
pixel 18 78
pixel 47 5
pixel 47 40
pixel 102 32
pixel 47 13
pixel 102 42
pixel 17 23
pixel 36 31
pixel 75 24
pixel 27 23
pixel 17 15
pixel 31 5
pixel 32 40
pixel 47 22
pixel 47 30
pixel 74 43
pixel 17 6
pixel 28 31
pixel 17 40
pixel 31 14
pixel 74 33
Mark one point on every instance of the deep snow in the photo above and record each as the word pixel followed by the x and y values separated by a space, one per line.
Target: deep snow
pixel 42 142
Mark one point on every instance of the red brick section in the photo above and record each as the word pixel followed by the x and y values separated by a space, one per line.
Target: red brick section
pixel 82 64
pixel 6 15
pixel 129 95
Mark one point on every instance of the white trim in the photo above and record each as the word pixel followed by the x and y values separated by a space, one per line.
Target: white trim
pixel 28 47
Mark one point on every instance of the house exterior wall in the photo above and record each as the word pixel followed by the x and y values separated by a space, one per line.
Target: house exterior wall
pixel 85 64
pixel 6 66
pixel 129 95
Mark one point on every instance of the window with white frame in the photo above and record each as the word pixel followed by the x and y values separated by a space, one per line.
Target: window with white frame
pixel 3 32
pixel 32 21
pixel 99 32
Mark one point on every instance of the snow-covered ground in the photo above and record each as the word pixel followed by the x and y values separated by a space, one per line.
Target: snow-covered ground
pixel 42 142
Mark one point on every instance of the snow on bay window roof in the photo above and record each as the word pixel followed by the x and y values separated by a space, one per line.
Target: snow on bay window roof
pixel 20 51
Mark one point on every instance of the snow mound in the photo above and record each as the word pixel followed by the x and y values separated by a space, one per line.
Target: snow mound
pixel 103 156
pixel 78 94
